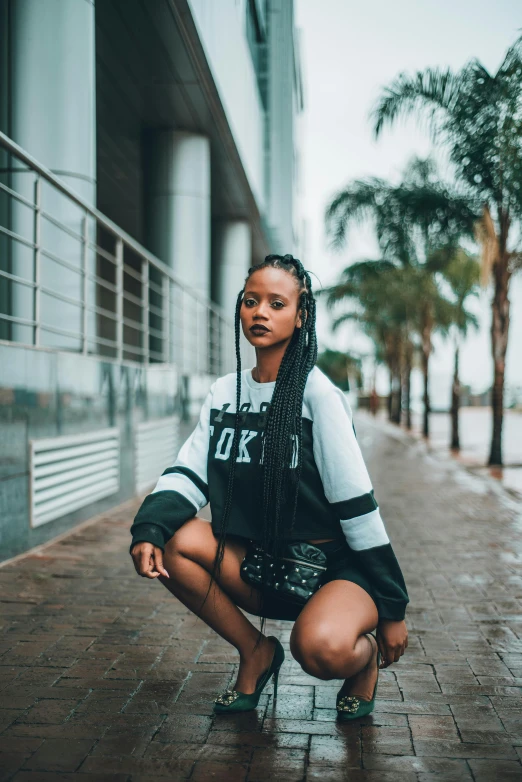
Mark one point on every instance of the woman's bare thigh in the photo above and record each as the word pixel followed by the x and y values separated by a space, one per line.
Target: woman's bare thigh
pixel 338 613
pixel 196 541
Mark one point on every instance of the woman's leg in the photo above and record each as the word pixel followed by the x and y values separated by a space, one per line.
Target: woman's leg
pixel 188 558
pixel 328 638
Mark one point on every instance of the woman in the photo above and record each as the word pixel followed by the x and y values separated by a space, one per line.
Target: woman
pixel 286 468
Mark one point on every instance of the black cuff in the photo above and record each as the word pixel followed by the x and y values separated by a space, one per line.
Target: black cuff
pixel 391 609
pixel 148 533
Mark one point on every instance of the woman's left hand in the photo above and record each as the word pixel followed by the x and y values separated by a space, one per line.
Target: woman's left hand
pixel 392 639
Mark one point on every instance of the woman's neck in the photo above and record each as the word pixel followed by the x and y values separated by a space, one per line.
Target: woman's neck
pixel 267 367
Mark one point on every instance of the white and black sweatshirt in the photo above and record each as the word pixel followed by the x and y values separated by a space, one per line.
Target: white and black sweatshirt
pixel 335 498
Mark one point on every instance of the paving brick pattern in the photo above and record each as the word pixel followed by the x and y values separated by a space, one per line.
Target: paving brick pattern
pixel 105 676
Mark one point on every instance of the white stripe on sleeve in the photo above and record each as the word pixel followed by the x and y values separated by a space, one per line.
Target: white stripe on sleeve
pixel 363 532
pixel 178 482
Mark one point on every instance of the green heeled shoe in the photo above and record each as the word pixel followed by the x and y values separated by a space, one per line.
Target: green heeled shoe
pixel 351 707
pixel 234 700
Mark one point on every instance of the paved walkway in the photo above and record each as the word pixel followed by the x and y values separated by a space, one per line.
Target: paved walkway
pixel 105 676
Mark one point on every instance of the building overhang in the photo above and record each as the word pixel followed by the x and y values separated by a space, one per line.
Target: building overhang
pixel 154 53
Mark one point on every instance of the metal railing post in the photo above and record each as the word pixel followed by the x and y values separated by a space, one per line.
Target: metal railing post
pixel 165 286
pixel 37 259
pixel 198 333
pixel 85 240
pixel 145 308
pixel 181 329
pixel 119 298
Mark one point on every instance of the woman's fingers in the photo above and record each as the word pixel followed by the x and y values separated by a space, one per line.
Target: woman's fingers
pixel 393 639
pixel 148 560
pixel 147 564
pixel 384 652
pixel 136 554
pixel 143 557
pixel 390 652
pixel 158 556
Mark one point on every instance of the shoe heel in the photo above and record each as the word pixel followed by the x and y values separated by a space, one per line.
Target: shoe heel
pixel 275 679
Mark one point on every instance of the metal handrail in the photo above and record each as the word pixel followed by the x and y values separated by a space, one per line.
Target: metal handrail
pixel 13 148
pixel 145 295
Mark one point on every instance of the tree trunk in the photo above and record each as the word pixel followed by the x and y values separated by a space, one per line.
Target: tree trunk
pixel 499 342
pixel 407 387
pixel 426 396
pixel 390 395
pixel 455 404
pixel 398 398
pixel 374 397
pixel 426 351
pixel 395 416
pixel 408 399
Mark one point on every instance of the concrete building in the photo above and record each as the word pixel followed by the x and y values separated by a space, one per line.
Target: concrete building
pixel 148 157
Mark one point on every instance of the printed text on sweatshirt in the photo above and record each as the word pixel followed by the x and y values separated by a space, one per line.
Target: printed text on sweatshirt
pixel 335 498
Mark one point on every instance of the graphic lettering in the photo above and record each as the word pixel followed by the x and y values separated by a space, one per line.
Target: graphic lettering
pixel 246 436
pixel 227 434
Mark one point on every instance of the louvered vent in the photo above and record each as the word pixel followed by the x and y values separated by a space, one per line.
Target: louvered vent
pixel 157 445
pixel 69 472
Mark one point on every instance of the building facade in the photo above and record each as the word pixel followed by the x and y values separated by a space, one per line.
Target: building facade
pixel 148 157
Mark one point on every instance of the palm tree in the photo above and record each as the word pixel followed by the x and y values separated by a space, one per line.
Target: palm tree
pixel 463 274
pixel 339 367
pixel 368 284
pixel 478 116
pixel 433 313
pixel 391 304
pixel 412 220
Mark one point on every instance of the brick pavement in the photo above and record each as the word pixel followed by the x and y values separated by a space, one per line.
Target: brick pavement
pixel 105 676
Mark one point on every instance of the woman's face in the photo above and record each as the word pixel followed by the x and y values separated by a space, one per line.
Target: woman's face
pixel 270 299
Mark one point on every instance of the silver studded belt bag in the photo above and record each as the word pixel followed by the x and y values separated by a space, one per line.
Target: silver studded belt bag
pixel 295 575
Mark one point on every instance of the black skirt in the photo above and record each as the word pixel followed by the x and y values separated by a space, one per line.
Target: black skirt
pixel 341 564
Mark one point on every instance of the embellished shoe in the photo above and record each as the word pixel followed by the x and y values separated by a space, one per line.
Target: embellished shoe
pixel 234 700
pixel 351 707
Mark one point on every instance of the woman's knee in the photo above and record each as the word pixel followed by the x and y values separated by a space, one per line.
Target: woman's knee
pixel 320 652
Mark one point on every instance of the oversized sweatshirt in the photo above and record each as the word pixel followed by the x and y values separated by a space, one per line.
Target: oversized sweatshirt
pixel 335 498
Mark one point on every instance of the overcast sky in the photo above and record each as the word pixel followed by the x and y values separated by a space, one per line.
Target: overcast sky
pixel 349 51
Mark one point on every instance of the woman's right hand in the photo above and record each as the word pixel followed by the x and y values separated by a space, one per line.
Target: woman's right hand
pixel 392 640
pixel 148 560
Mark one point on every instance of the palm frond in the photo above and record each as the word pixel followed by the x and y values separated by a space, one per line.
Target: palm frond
pixel 425 93
pixel 366 270
pixel 345 318
pixel 335 293
pixel 512 62
pixel 354 204
pixel 466 320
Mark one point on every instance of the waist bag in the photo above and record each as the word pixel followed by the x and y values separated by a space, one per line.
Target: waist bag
pixel 295 575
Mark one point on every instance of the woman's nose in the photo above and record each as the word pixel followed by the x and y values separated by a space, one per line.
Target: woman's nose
pixel 261 311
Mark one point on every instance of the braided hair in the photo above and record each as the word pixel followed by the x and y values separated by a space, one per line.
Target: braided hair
pixel 283 421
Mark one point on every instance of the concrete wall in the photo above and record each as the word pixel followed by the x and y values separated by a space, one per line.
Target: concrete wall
pixel 44 393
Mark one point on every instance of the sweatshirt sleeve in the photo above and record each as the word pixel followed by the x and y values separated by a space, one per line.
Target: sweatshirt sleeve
pixel 181 491
pixel 349 491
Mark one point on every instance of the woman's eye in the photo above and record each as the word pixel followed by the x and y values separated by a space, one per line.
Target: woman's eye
pixel 248 302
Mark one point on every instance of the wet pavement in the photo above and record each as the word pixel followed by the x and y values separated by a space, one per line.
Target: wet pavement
pixel 105 676
pixel 476 425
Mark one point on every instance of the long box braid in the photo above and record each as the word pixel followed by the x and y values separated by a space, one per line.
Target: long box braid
pixel 283 422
